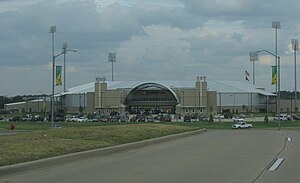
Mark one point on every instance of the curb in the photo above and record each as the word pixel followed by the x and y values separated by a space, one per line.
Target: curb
pixel 52 161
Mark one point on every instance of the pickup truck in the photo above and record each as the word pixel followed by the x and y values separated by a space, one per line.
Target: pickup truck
pixel 240 125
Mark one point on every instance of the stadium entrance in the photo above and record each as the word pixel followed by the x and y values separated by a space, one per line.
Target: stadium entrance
pixel 151 98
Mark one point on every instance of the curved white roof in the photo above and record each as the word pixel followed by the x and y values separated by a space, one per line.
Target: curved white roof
pixel 213 85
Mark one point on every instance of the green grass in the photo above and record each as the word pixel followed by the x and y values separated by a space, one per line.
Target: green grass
pixel 48 143
pixel 41 141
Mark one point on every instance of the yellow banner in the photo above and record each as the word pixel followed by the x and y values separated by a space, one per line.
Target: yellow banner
pixel 58 76
pixel 274 75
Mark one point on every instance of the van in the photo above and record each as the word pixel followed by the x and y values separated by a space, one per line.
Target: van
pixel 281 117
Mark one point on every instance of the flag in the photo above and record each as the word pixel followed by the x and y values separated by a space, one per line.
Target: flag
pixel 247 75
pixel 58 76
pixel 274 75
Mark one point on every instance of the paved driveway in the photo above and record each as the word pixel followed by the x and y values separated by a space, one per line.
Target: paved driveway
pixel 214 156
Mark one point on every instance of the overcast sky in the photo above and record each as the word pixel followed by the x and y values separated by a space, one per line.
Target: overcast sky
pixel 153 40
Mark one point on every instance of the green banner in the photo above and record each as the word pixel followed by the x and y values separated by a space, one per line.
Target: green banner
pixel 274 75
pixel 58 75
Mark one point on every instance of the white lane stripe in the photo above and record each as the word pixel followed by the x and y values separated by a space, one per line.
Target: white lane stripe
pixel 276 164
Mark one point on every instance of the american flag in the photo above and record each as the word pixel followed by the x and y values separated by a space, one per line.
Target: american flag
pixel 247 75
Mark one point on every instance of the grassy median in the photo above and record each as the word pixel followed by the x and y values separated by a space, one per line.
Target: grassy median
pixel 39 141
pixel 43 143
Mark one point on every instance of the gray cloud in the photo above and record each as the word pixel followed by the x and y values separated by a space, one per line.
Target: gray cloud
pixel 153 40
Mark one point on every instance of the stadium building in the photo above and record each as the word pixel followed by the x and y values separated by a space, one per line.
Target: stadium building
pixel 173 96
pixel 177 97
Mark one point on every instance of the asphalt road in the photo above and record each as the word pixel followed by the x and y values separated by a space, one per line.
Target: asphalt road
pixel 214 156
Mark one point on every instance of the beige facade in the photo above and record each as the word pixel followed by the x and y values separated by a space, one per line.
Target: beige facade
pixel 185 100
pixel 30 106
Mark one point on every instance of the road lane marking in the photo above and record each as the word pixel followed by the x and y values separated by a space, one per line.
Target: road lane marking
pixel 276 164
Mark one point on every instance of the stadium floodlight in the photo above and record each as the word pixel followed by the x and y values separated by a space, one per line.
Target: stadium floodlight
pixel 295 47
pixel 276 25
pixel 64 51
pixel 52 31
pixel 253 56
pixel 112 57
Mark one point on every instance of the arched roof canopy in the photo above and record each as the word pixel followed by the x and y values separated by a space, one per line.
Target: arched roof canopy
pixel 151 86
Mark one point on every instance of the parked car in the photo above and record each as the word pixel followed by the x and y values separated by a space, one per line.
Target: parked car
pixel 295 117
pixel 16 118
pixel 72 119
pixel 82 119
pixel 141 119
pixel 124 118
pixel 204 118
pixel 281 117
pixel 187 119
pixel 150 119
pixel 219 116
pixel 238 119
pixel 165 118
pixel 114 119
pixel 240 125
pixel 38 118
pixel 28 117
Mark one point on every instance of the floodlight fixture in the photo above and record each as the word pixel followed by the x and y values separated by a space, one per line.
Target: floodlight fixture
pixel 112 57
pixel 276 25
pixel 253 56
pixel 295 44
pixel 52 29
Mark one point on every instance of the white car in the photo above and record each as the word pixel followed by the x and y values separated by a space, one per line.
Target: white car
pixel 240 125
pixel 82 119
pixel 219 116
pixel 72 119
pixel 238 119
pixel 281 117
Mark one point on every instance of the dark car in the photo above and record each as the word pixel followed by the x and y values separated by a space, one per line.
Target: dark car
pixel 187 119
pixel 295 117
pixel 105 119
pixel 204 118
pixel 165 118
pixel 124 118
pixel 16 118
pixel 150 119
pixel 114 119
pixel 141 119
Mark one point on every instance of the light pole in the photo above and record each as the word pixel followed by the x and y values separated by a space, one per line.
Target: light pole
pixel 253 58
pixel 112 58
pixel 52 31
pixel 277 59
pixel 64 51
pixel 295 47
pixel 276 25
